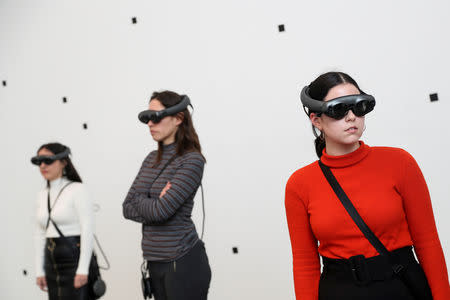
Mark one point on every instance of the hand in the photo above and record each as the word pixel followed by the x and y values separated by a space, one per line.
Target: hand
pixel 42 283
pixel 80 280
pixel 165 189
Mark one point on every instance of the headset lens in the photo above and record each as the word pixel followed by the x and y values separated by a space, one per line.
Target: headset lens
pixel 340 110
pixel 362 108
pixel 147 116
pixel 38 160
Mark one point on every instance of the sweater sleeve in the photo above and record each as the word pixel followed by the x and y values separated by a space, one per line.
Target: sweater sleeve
pixel 39 241
pixel 85 212
pixel 422 227
pixel 306 264
pixel 186 180
pixel 128 209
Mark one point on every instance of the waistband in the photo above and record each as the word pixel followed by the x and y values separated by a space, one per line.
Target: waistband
pixel 199 244
pixel 377 268
pixel 58 241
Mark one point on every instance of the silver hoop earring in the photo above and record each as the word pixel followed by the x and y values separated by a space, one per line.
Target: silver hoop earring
pixel 315 129
pixel 322 136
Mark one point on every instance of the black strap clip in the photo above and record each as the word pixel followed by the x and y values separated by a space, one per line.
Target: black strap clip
pixel 398 269
pixel 359 269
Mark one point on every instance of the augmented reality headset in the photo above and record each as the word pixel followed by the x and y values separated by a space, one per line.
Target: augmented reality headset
pixel 157 115
pixel 360 105
pixel 48 160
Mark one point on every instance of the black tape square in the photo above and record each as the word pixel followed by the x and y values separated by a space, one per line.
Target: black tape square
pixel 134 20
pixel 281 28
pixel 235 250
pixel 4 82
pixel 64 100
pixel 434 97
pixel 84 125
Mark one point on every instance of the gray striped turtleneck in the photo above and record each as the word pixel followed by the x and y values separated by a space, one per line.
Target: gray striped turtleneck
pixel 168 231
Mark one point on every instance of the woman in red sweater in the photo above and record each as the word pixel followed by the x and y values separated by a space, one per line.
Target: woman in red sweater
pixel 388 190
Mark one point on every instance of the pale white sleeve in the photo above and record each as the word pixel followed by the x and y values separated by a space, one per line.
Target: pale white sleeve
pixel 39 240
pixel 85 211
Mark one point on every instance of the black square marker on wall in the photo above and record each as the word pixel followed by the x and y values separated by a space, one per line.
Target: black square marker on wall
pixel 4 82
pixel 235 250
pixel 281 28
pixel 434 97
pixel 25 273
pixel 64 100
pixel 84 125
pixel 134 20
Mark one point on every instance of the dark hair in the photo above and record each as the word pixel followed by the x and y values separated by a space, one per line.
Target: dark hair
pixel 186 137
pixel 318 89
pixel 69 170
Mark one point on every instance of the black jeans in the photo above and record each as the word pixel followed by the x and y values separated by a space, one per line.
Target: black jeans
pixel 366 279
pixel 61 262
pixel 186 278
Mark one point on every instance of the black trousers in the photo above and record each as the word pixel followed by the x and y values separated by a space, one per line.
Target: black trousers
pixel 187 278
pixel 61 262
pixel 368 279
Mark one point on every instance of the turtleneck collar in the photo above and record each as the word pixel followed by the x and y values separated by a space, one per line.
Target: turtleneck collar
pixel 346 160
pixel 170 148
pixel 58 182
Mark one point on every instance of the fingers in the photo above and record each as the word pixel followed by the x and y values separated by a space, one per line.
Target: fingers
pixel 80 280
pixel 42 283
pixel 165 189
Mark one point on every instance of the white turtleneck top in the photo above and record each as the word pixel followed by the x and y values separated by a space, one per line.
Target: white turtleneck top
pixel 73 212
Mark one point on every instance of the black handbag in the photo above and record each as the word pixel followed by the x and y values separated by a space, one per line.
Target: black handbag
pixel 96 285
pixel 412 275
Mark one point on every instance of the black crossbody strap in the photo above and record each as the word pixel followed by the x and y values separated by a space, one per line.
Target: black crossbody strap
pixel 351 210
pixel 165 166
pixel 157 176
pixel 49 208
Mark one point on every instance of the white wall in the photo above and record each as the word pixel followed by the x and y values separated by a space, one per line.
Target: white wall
pixel 244 78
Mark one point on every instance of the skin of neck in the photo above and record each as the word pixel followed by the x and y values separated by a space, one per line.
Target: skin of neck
pixel 337 149
pixel 170 139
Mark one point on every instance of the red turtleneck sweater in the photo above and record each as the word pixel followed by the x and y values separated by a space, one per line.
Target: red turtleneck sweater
pixel 388 189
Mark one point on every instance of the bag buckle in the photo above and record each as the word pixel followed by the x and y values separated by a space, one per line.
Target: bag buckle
pixel 398 268
pixel 359 269
pixel 51 245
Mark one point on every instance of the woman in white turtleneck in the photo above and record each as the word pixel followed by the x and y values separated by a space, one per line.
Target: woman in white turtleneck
pixel 62 264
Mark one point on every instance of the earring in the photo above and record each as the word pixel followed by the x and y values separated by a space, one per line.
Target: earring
pixel 322 136
pixel 315 129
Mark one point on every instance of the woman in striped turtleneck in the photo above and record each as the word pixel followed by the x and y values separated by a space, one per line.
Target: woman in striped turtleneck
pixel 161 198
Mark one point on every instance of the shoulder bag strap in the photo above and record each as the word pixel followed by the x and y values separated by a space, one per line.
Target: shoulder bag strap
pixel 157 176
pixel 351 210
pixel 49 208
pixel 165 166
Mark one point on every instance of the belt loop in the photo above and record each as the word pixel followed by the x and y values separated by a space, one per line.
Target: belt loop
pixel 359 269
